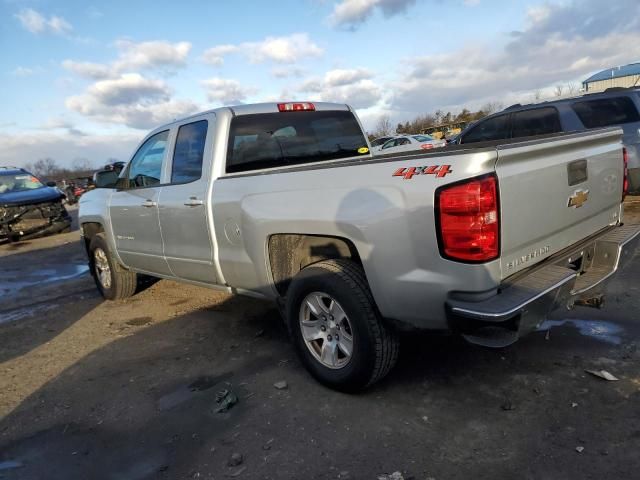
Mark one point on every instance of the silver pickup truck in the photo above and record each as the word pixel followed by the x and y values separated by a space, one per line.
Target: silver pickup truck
pixel 285 202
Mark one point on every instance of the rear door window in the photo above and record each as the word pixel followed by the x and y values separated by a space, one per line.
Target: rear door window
pixel 495 128
pixel 188 153
pixel 539 121
pixel 280 139
pixel 604 112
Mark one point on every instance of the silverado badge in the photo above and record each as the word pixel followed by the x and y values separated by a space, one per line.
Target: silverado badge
pixel 578 198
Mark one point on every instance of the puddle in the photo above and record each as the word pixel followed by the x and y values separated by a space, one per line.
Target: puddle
pixel 20 313
pixel 10 464
pixel 187 392
pixel 598 329
pixel 41 277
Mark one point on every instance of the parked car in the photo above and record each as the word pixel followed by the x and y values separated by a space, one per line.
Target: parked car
pixel 613 107
pixel 378 142
pixel 405 143
pixel 284 202
pixel 29 208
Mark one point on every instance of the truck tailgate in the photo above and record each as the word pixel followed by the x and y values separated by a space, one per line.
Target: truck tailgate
pixel 556 192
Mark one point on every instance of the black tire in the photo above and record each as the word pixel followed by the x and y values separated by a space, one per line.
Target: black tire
pixel 375 345
pixel 123 282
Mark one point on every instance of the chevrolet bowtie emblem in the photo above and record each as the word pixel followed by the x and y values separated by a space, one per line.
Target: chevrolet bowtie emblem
pixel 578 198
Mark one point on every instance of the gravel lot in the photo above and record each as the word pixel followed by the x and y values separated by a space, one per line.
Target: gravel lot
pixel 127 390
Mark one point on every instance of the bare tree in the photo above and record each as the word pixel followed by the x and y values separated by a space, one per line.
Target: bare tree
pixel 383 127
pixel 81 164
pixel 491 107
pixel 537 95
pixel 558 90
pixel 571 88
pixel 44 167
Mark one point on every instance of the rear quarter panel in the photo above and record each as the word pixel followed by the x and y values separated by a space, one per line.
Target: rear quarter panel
pixel 390 220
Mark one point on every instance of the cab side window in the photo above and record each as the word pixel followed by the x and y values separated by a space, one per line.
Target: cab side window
pixel 539 121
pixel 495 128
pixel 145 168
pixel 189 150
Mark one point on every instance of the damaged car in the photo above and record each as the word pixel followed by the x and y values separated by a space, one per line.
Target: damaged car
pixel 28 207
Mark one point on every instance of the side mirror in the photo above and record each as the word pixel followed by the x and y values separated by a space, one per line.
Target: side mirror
pixel 105 179
pixel 51 184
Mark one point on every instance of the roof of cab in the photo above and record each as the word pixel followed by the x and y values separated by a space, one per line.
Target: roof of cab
pixel 11 170
pixel 267 107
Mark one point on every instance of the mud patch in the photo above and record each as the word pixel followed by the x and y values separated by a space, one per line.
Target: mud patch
pixel 140 321
pixel 190 391
pixel 17 245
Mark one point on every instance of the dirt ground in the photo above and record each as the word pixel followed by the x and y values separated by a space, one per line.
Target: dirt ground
pixel 127 390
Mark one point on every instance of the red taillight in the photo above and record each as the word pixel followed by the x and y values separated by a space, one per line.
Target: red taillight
pixel 296 107
pixel 625 177
pixel 469 220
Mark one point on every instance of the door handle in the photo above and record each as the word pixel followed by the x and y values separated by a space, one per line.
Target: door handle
pixel 149 203
pixel 193 202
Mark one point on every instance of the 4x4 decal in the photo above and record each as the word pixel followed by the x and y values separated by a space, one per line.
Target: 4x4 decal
pixel 408 172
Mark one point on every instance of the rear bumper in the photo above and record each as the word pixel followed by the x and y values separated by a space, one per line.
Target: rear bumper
pixel 521 304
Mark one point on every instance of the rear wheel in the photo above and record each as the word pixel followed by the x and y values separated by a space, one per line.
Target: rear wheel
pixel 114 281
pixel 335 326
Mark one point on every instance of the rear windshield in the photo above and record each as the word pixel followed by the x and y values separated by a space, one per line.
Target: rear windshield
pixel 423 138
pixel 606 111
pixel 291 138
pixel 18 183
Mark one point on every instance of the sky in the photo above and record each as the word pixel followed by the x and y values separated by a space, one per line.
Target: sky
pixel 88 80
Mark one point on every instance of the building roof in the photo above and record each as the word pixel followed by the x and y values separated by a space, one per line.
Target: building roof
pixel 615 72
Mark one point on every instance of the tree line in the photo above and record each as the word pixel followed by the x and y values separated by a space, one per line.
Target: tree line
pixel 49 170
pixel 384 126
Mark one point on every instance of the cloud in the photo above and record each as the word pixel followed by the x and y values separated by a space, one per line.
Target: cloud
pixel 154 54
pixel 93 13
pixel 91 70
pixel 353 86
pixel 128 88
pixel 22 71
pixel 35 22
pixel 121 95
pixel 215 55
pixel 560 43
pixel 287 72
pixel 339 77
pixel 132 100
pixel 352 13
pixel 285 50
pixel 289 49
pixel 64 146
pixel 59 123
pixel 226 91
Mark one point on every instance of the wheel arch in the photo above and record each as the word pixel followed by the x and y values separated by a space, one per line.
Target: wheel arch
pixel 289 253
pixel 89 231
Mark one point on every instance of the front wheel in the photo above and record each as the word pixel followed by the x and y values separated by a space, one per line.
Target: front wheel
pixel 336 328
pixel 113 280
